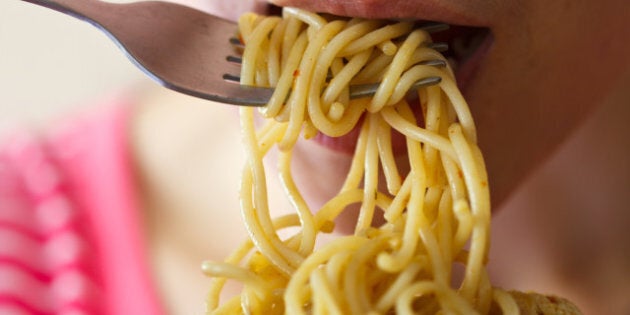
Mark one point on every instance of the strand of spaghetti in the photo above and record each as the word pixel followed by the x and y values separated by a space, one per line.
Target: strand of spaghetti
pixel 479 197
pixel 444 227
pixel 484 294
pixel 485 290
pixel 372 72
pixel 431 201
pixel 440 275
pixel 336 205
pixel 386 156
pixel 246 24
pixel 294 241
pixel 312 19
pixel 370 180
pixel 464 117
pixel 453 303
pixel 439 269
pixel 354 280
pixel 426 53
pixel 376 68
pixel 262 66
pixel 409 77
pixel 250 56
pixel 338 106
pixel 212 302
pixel 432 118
pixel 256 216
pixel 415 215
pixel 331 51
pixel 299 94
pixel 393 212
pixel 250 303
pixel 259 216
pixel 293 30
pixel 324 294
pixel 357 165
pixel 387 47
pixel 243 275
pixel 232 306
pixel 256 233
pixel 375 37
pixel 396 68
pixel 319 107
pixel 309 131
pixel 403 280
pixel 285 82
pixel 268 139
pixel 416 133
pixel 292 299
pixel 352 114
pixel 237 256
pixel 293 220
pixel 335 268
pixel 465 224
pixel 274 57
pixel 454 177
pixel 265 129
pixel 318 111
pixel 341 80
pixel 308 233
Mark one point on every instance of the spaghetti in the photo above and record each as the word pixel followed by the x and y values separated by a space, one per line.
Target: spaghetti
pixel 436 216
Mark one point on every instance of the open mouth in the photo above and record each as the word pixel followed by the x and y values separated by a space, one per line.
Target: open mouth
pixel 467 44
pixel 467 47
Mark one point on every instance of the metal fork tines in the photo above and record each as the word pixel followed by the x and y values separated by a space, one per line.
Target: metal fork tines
pixel 356 91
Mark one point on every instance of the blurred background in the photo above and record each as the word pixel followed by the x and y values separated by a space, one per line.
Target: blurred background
pixel 51 64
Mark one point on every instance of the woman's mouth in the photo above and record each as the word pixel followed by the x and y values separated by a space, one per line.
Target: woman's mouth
pixel 468 47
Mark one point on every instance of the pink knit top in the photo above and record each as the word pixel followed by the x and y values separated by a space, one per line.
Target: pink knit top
pixel 70 226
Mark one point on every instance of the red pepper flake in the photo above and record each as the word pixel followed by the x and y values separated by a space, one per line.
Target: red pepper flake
pixel 296 73
pixel 460 174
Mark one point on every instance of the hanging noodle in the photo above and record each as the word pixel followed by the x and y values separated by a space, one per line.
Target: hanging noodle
pixel 436 216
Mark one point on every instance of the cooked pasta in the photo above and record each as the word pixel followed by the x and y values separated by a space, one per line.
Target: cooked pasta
pixel 437 215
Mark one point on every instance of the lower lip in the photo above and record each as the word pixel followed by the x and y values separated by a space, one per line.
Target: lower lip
pixel 465 75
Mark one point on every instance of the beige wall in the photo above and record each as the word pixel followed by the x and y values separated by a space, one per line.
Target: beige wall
pixel 51 63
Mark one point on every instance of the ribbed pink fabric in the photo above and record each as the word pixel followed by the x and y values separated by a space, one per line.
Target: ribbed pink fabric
pixel 70 226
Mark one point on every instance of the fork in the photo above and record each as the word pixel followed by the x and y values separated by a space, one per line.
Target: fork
pixel 184 49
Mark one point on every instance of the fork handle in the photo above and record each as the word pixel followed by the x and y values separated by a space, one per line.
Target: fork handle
pixel 86 10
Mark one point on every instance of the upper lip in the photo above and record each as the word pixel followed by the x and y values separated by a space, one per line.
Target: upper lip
pixel 450 11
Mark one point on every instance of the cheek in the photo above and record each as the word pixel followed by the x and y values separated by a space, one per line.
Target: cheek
pixel 539 82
